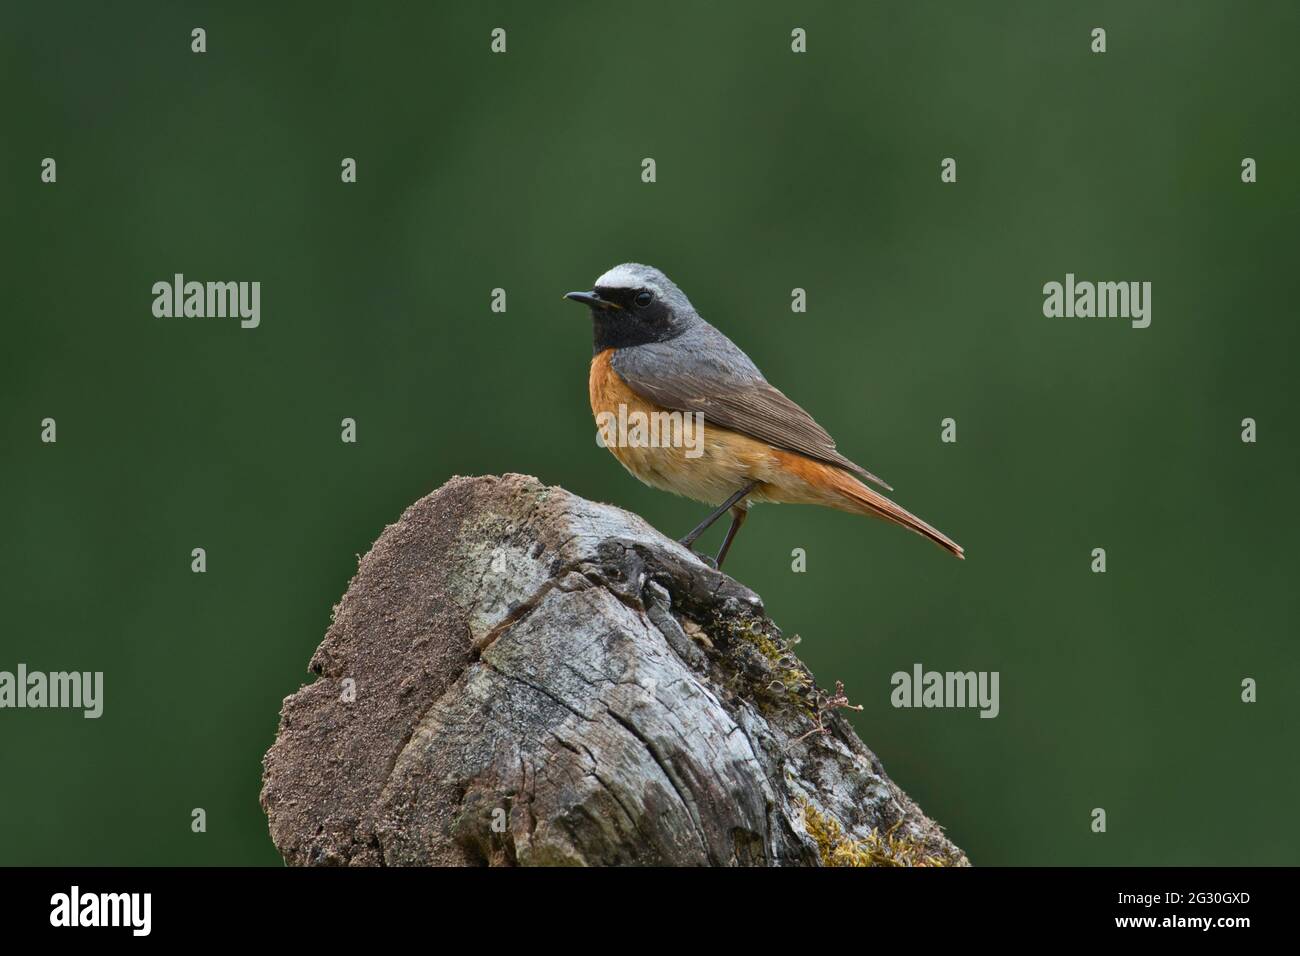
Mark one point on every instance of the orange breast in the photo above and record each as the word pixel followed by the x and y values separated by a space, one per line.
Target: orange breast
pixel 608 390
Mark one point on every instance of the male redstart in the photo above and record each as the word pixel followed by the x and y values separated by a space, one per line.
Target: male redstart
pixel 654 356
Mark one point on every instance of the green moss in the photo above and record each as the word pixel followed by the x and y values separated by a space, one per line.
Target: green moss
pixel 787 667
pixel 877 849
pixel 777 676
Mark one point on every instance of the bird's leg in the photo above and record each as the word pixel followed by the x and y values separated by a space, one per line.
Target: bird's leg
pixel 704 525
pixel 738 516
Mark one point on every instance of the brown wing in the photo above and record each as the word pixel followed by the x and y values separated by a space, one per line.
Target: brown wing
pixel 740 402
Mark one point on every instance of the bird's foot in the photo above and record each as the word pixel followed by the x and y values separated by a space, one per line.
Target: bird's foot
pixel 707 559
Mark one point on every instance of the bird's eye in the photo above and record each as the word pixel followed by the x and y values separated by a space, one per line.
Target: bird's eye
pixel 644 298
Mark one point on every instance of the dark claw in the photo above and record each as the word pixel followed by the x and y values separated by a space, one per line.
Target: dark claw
pixel 707 559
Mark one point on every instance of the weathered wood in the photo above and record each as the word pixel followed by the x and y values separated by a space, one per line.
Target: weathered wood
pixel 540 679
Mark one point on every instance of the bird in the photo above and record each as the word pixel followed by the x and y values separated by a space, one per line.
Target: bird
pixel 654 355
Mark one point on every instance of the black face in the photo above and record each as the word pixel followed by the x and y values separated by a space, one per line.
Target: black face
pixel 623 317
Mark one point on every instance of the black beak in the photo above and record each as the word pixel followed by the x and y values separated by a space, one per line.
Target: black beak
pixel 591 299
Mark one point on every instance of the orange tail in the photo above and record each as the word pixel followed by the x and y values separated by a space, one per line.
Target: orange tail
pixel 856 497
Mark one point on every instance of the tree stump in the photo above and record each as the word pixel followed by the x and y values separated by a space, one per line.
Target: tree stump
pixel 519 676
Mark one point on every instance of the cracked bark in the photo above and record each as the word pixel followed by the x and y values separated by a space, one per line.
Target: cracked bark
pixel 519 676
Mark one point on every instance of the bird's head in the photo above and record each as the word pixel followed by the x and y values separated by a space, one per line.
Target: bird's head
pixel 633 304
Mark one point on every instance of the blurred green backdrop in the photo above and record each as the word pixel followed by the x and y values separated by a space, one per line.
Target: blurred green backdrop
pixel 775 170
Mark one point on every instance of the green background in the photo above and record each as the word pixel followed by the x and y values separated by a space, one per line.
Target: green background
pixel 775 170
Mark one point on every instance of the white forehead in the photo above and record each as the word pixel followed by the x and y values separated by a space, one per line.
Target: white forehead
pixel 629 275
